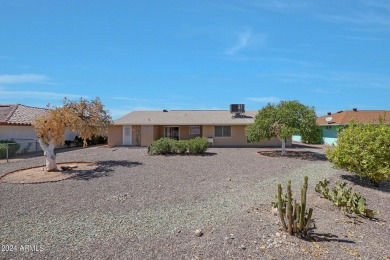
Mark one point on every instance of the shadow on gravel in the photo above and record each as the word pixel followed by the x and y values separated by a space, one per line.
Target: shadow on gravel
pixel 302 155
pixel 104 169
pixel 173 155
pixel 365 182
pixel 327 237
pixel 308 146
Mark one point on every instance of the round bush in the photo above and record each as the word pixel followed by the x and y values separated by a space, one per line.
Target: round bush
pixel 13 147
pixel 198 145
pixel 363 150
pixel 161 146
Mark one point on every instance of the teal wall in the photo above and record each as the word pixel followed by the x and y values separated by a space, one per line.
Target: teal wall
pixel 296 138
pixel 330 135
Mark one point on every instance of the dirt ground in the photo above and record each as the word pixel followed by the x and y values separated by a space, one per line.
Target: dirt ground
pixel 40 175
pixel 136 206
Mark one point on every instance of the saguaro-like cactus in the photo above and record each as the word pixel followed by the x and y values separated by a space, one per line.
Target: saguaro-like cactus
pixel 298 219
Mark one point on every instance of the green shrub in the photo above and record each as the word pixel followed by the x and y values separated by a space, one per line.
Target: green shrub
pixel 162 146
pixel 170 146
pixel 197 145
pixel 344 198
pixel 363 150
pixel 180 147
pixel 13 147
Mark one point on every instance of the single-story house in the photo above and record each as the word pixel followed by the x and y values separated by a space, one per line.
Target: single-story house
pixel 221 127
pixel 16 124
pixel 332 123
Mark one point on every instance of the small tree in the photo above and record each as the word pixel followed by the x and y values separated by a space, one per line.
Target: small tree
pixel 363 149
pixel 282 121
pixel 86 118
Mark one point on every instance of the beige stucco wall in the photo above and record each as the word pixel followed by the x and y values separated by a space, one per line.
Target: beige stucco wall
pixel 136 135
pixel 238 138
pixel 185 133
pixel 147 133
pixel 115 135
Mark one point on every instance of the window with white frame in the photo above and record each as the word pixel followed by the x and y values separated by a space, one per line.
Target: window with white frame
pixel 223 131
pixel 194 130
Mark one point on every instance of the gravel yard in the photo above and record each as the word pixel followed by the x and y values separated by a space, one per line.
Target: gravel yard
pixel 137 206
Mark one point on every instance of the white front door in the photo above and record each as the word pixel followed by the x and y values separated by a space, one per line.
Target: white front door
pixel 127 137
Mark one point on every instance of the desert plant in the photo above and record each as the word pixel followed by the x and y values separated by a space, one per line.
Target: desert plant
pixel 161 146
pixel 294 217
pixel 180 146
pixel 363 150
pixel 9 145
pixel 170 146
pixel 345 198
pixel 197 145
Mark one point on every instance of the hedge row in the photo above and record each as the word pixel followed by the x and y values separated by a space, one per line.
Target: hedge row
pixel 170 146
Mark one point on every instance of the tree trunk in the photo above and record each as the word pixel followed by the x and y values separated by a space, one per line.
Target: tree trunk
pixel 48 151
pixel 283 146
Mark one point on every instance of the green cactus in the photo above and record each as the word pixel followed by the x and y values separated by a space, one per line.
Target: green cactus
pixel 343 197
pixel 295 214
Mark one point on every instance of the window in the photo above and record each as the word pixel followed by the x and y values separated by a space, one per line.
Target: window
pixel 223 131
pixel 194 130
pixel 171 132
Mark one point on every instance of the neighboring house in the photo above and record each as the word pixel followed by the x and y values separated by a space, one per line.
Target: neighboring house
pixel 332 124
pixel 16 124
pixel 221 127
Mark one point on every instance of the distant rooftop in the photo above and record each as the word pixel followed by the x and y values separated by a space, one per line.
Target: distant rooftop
pixel 362 116
pixel 16 114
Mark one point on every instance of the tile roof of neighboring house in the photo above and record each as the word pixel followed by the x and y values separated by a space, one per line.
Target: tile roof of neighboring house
pixel 17 114
pixel 362 116
pixel 186 117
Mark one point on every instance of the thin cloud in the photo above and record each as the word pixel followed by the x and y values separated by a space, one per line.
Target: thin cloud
pixel 42 95
pixel 264 99
pixel 369 20
pixel 280 6
pixel 244 40
pixel 129 99
pixel 324 91
pixel 22 78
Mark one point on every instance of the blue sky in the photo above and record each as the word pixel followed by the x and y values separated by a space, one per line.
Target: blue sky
pixel 148 55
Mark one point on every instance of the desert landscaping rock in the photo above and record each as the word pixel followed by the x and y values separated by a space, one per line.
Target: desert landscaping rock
pixel 118 211
pixel 198 233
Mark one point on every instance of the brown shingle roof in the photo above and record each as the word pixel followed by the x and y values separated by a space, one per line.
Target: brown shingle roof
pixel 185 117
pixel 362 116
pixel 19 114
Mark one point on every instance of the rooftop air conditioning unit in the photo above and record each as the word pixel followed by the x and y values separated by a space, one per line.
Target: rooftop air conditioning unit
pixel 237 108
